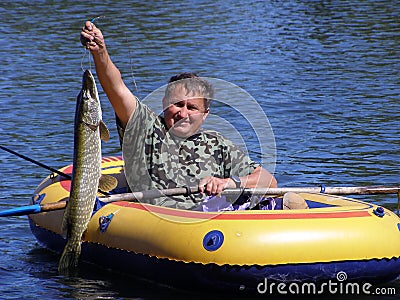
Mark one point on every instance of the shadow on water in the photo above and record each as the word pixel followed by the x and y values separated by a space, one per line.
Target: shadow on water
pixel 89 282
pixel 93 282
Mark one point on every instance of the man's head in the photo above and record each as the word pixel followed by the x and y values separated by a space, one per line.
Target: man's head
pixel 186 103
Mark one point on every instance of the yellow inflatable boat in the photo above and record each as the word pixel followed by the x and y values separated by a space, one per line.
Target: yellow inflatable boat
pixel 231 250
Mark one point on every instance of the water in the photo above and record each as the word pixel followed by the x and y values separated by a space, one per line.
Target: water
pixel 326 73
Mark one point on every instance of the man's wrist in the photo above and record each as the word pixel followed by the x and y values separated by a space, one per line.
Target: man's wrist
pixel 237 181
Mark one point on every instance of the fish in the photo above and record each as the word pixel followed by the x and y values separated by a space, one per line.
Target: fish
pixel 89 130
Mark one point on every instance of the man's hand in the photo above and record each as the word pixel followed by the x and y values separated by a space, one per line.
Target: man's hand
pixel 92 38
pixel 214 185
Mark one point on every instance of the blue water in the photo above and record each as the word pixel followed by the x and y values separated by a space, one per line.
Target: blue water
pixel 325 73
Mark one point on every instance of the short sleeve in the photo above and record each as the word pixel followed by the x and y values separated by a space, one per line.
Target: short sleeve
pixel 237 161
pixel 139 127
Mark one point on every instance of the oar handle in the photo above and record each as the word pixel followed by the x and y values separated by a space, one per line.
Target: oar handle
pixel 53 206
pixel 150 194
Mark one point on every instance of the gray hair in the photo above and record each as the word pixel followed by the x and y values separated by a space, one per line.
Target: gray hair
pixel 196 86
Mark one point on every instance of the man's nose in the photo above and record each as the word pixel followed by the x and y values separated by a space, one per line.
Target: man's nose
pixel 183 112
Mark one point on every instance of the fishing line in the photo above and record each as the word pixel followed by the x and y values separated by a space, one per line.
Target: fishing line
pixel 131 66
pixel 89 60
pixel 86 48
pixel 97 18
pixel 129 51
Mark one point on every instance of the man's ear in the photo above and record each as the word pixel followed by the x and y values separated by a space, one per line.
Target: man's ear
pixel 205 114
pixel 165 103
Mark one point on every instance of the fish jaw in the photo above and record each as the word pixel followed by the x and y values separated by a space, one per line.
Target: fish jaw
pixel 91 110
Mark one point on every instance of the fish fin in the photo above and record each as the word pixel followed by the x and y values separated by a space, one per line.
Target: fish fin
pixel 107 183
pixel 69 258
pixel 104 132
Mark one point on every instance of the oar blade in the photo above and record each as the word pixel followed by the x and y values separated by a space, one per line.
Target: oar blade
pixel 20 211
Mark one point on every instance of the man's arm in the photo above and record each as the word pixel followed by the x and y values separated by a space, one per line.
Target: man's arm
pixel 260 178
pixel 121 98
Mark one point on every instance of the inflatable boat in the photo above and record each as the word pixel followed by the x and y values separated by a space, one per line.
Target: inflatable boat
pixel 336 239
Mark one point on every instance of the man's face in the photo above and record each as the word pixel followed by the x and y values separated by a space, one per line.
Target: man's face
pixel 184 114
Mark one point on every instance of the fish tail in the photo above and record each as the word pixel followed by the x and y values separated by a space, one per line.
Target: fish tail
pixel 69 258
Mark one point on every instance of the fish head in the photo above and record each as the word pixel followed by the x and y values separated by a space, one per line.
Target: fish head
pixel 91 108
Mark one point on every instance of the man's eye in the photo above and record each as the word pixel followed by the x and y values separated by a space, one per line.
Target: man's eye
pixel 179 104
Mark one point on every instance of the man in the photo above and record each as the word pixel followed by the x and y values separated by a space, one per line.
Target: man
pixel 172 151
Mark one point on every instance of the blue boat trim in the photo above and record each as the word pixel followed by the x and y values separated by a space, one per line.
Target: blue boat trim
pixel 226 278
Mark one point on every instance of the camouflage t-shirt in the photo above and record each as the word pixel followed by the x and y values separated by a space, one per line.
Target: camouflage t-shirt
pixel 155 159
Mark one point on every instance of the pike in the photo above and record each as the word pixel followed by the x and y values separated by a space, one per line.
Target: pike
pixel 89 130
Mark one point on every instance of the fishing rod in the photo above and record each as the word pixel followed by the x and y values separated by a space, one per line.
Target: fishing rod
pixel 36 162
pixel 67 176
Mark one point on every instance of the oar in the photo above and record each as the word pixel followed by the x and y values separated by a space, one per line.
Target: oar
pixel 33 209
pixel 135 196
pixel 347 190
pixel 152 194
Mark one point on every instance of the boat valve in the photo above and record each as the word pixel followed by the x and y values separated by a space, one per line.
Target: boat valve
pixel 213 240
pixel 379 211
